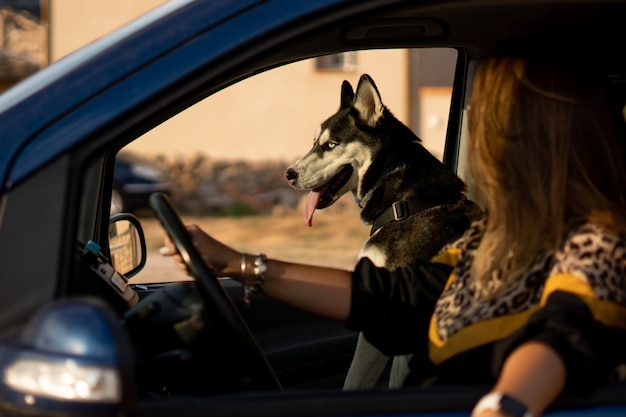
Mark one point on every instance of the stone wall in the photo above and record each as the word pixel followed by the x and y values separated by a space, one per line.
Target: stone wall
pixel 201 185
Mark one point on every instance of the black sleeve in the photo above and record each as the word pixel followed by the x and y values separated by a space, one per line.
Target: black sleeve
pixel 393 308
pixel 589 349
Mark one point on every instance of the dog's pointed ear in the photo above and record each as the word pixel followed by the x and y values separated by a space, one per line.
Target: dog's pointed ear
pixel 367 101
pixel 347 95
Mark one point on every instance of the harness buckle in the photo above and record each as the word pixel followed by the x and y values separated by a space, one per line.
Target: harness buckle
pixel 400 210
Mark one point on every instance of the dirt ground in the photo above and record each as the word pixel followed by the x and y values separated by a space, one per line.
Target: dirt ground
pixel 334 240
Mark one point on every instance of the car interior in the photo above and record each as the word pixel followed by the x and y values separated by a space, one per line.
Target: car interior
pixel 196 347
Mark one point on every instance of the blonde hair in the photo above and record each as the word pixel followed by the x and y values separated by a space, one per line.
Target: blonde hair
pixel 546 155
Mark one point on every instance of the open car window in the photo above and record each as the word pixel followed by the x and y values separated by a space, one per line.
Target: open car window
pixel 223 160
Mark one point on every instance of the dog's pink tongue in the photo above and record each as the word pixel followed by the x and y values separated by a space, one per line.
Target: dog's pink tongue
pixel 311 204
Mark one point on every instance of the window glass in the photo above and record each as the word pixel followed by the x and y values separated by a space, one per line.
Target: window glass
pixel 343 61
pixel 223 160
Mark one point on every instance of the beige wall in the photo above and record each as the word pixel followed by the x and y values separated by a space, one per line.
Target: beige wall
pixel 274 114
pixel 269 115
pixel 75 23
pixel 435 105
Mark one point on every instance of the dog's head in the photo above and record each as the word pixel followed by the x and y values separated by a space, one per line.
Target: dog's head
pixel 343 149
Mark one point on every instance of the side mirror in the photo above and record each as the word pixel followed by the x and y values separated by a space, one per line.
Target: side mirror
pixel 72 359
pixel 127 244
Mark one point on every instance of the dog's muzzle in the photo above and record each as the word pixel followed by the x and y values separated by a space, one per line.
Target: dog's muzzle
pixel 291 175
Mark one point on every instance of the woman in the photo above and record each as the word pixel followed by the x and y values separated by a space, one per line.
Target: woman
pixel 532 299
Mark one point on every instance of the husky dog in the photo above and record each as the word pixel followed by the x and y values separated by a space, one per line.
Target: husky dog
pixel 413 202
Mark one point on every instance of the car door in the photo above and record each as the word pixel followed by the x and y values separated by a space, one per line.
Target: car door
pixel 231 180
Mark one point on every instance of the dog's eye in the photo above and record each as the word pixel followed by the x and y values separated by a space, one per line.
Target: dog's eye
pixel 330 145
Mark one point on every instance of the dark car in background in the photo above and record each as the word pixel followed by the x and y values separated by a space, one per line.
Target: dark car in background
pixel 134 181
pixel 78 338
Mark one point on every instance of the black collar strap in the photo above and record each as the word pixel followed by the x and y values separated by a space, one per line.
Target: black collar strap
pixel 401 210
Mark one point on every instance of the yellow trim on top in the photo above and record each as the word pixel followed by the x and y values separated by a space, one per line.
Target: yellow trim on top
pixel 606 312
pixel 449 257
pixel 472 336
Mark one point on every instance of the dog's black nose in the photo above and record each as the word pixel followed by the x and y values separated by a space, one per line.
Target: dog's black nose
pixel 291 175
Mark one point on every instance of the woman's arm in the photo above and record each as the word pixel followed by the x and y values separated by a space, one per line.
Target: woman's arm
pixel 319 290
pixel 534 375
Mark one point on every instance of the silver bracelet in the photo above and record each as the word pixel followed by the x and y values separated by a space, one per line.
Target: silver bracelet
pixel 252 274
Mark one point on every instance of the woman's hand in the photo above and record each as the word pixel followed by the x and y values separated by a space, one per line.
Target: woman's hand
pixel 318 290
pixel 223 260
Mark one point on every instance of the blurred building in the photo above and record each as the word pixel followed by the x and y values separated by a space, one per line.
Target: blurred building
pixel 23 40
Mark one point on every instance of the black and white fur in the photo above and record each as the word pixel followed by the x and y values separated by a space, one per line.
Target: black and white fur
pixel 364 149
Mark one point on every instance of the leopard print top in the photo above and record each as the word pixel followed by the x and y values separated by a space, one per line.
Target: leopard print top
pixel 589 254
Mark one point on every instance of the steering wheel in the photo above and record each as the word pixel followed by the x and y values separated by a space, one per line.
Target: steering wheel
pixel 218 306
